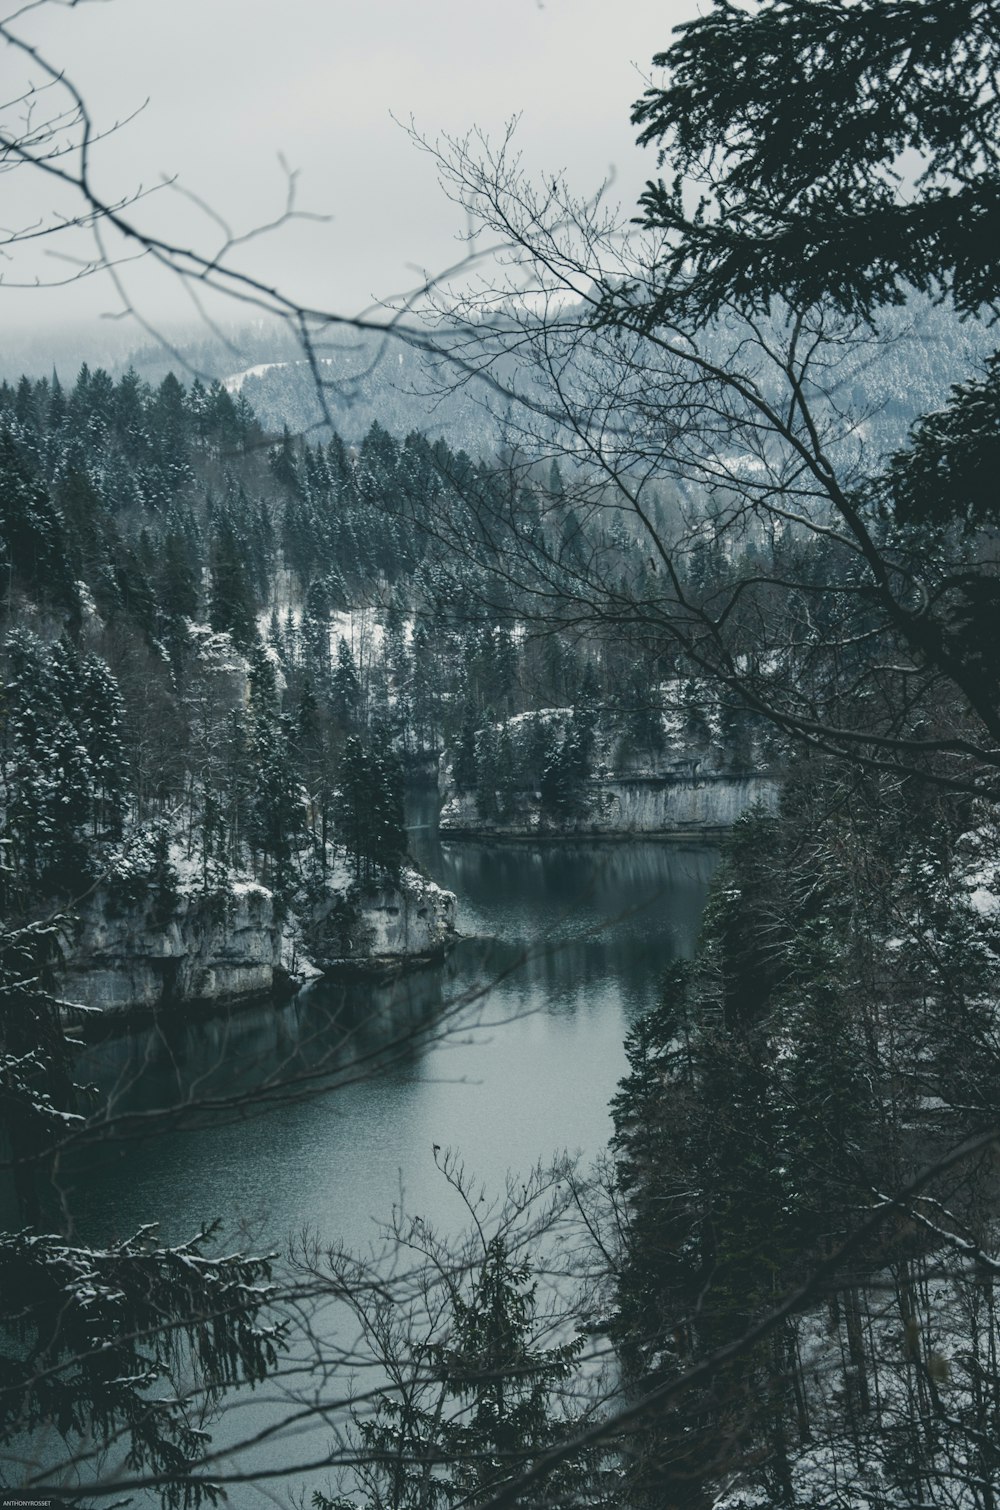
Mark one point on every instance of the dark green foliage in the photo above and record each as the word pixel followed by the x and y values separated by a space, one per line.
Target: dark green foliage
pixel 316 638
pixel 773 1089
pixel 178 593
pixel 565 772
pixel 38 1099
pixel 949 472
pixel 792 120
pixel 102 497
pixel 169 423
pixel 378 462
pixel 231 599
pixel 33 545
pixel 642 713
pixel 98 1343
pixel 311 736
pixel 282 460
pixel 275 812
pixel 491 664
pixel 823 160
pixel 696 725
pixel 345 686
pixel 465 752
pixel 748 920
pixel 488 1407
pixel 66 779
pixel 93 1337
pixel 369 807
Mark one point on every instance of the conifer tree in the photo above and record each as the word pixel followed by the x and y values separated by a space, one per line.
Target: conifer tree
pixel 231 604
pixel 177 586
pixel 345 687
pixel 274 812
pixel 100 1345
pixel 488 1406
pixel 282 460
pixel 464 765
pixel 369 807
pixel 315 632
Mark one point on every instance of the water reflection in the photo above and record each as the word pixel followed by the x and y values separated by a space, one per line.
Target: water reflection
pixel 510 1050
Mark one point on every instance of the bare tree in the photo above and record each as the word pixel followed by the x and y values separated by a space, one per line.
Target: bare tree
pixel 737 439
pixel 849 621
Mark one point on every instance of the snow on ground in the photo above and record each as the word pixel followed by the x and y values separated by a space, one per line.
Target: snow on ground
pixel 360 627
pixel 234 383
pixel 979 868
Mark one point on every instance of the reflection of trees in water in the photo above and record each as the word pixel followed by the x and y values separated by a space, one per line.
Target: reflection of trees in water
pixel 583 930
pixel 572 916
pixel 602 878
pixel 210 1117
pixel 580 915
pixel 329 1028
pixel 553 974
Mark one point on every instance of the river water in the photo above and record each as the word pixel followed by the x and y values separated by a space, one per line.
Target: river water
pixel 349 1087
pixel 565 942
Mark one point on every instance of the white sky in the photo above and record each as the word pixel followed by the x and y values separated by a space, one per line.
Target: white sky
pixel 232 83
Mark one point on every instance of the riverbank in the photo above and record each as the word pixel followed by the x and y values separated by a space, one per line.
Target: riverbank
pixel 171 949
pixel 508 1049
pixel 677 809
pixel 558 773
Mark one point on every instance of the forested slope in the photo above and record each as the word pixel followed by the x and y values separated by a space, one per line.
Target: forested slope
pixel 222 647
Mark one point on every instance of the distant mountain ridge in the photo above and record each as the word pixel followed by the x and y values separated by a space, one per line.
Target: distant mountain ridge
pixel 369 376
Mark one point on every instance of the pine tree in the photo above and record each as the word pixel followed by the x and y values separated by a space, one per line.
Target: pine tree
pixel 275 813
pixel 565 773
pixel 66 768
pixel 464 765
pixel 486 772
pixel 315 633
pixel 489 1407
pixel 93 1341
pixel 177 578
pixel 315 763
pixel 231 603
pixel 34 549
pixel 100 719
pixel 170 425
pixel 345 687
pixel 369 807
pixel 282 461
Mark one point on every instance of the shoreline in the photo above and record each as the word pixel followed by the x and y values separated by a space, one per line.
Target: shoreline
pixel 694 837
pixel 93 1025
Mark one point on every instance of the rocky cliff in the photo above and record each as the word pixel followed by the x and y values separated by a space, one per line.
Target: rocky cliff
pixel 410 921
pixel 186 948
pixel 675 805
pixel 183 948
pixel 686 769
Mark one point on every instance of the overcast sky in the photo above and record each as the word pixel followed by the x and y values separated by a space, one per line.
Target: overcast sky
pixel 231 84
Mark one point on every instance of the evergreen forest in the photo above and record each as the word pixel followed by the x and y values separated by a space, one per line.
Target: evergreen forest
pixel 720 511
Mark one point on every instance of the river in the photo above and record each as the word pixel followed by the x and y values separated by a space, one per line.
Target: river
pixel 563 946
pixel 567 942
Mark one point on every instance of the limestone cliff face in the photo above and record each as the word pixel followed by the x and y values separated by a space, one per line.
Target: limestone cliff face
pixel 188 949
pixel 676 804
pixel 569 772
pixel 410 921
pixel 680 804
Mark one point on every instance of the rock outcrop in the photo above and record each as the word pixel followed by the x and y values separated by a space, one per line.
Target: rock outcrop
pixel 556 773
pixel 185 948
pixel 679 806
pixel 408 922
